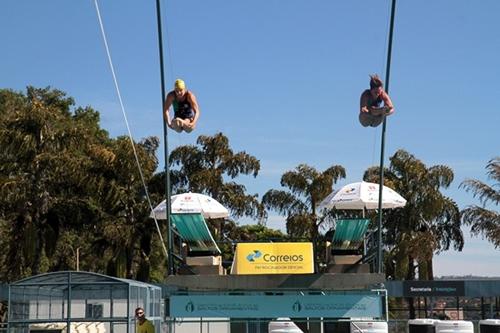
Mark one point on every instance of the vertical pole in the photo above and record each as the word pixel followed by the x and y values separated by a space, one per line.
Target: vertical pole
pixel 418 307
pixel 10 312
pixel 128 310
pixel 77 259
pixel 170 262
pixel 482 308
pixel 491 307
pixel 68 318
pixel 425 305
pixel 381 178
pixel 431 301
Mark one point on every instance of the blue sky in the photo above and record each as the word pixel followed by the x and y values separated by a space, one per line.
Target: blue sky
pixel 282 80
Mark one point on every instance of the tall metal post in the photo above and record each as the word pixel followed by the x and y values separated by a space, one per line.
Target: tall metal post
pixel 381 177
pixel 170 258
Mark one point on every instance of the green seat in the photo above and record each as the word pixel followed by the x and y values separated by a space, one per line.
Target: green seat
pixel 194 231
pixel 349 234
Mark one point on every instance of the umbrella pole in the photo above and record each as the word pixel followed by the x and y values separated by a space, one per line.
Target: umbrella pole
pixel 170 259
pixel 381 177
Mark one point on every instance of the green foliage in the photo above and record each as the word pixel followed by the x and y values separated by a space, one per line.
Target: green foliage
pixel 307 187
pixel 65 185
pixel 207 167
pixel 233 233
pixel 68 189
pixel 428 224
pixel 484 221
pixel 43 168
pixel 257 233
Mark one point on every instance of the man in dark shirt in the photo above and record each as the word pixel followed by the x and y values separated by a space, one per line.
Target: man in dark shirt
pixel 143 325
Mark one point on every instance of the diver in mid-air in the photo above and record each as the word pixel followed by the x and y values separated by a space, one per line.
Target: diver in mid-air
pixel 186 109
pixel 372 112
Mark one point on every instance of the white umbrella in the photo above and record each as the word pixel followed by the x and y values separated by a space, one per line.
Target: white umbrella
pixel 189 203
pixel 362 195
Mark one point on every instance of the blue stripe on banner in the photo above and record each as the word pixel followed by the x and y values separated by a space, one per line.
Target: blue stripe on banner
pixel 255 306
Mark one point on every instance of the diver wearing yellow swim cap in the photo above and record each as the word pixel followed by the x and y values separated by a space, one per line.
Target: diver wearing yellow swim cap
pixel 180 84
pixel 186 109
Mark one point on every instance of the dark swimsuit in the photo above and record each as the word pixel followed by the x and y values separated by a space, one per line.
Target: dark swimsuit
pixel 369 119
pixel 183 109
pixel 373 103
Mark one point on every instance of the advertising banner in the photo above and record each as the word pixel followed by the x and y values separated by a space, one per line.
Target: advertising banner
pixel 264 306
pixel 273 258
pixel 433 288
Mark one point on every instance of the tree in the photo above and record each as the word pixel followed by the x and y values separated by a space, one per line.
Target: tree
pixel 482 220
pixel 234 233
pixel 125 232
pixel 428 224
pixel 255 233
pixel 42 175
pixel 205 168
pixel 65 185
pixel 307 187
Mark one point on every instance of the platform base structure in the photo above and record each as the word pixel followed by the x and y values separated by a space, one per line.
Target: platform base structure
pixel 309 303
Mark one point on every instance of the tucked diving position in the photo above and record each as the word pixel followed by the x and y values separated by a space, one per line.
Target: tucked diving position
pixel 372 112
pixel 186 109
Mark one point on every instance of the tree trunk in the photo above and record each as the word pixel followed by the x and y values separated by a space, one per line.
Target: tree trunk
pixel 144 269
pixel 411 276
pixel 35 268
pixel 314 238
pixel 430 270
pixel 422 270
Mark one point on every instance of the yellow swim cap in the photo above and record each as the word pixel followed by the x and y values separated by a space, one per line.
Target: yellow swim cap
pixel 179 84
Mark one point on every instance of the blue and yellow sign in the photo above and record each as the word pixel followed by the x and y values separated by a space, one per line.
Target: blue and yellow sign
pixel 274 258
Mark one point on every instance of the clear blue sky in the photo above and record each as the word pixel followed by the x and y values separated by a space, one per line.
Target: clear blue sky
pixel 282 79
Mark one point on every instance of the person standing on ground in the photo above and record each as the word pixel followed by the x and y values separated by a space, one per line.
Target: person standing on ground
pixel 143 325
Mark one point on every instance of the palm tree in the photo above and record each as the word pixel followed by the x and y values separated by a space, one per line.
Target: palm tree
pixel 428 224
pixel 210 167
pixel 307 187
pixel 482 220
pixel 205 168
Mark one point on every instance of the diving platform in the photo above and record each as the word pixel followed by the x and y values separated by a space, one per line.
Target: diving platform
pixel 274 282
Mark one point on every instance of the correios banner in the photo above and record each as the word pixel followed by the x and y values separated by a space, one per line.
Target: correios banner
pixel 273 258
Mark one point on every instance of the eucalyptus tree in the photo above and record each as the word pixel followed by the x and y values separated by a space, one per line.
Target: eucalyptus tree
pixel 482 220
pixel 126 236
pixel 66 186
pixel 42 174
pixel 306 188
pixel 428 224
